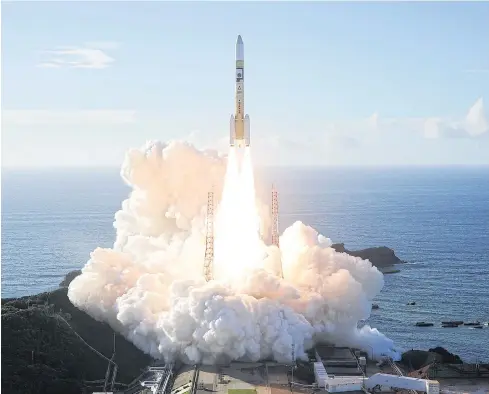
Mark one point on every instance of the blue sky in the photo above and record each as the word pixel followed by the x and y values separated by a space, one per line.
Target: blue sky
pixel 325 83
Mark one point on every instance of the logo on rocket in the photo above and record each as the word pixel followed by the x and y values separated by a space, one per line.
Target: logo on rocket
pixel 239 134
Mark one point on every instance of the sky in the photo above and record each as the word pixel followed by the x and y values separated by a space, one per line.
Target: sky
pixel 325 83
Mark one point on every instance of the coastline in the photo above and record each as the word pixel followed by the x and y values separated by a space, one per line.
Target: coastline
pixel 52 350
pixel 50 326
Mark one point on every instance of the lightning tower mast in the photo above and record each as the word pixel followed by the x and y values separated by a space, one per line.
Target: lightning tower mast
pixel 209 237
pixel 275 232
pixel 275 237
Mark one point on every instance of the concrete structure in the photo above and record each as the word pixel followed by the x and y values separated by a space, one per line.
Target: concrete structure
pixel 160 379
pixel 183 381
pixel 320 374
pixel 382 380
pixel 340 361
pixel 340 369
pixel 268 377
pixel 344 384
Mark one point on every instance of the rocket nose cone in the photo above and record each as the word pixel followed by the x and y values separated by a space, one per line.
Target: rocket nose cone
pixel 239 49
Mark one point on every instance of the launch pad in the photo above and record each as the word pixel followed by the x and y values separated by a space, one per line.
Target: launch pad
pixel 313 375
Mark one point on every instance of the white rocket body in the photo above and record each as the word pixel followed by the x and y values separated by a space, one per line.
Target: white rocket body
pixel 240 124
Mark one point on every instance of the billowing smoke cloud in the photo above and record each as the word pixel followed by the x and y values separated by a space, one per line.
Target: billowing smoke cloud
pixel 150 285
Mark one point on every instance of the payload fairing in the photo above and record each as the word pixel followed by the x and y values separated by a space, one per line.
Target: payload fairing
pixel 240 123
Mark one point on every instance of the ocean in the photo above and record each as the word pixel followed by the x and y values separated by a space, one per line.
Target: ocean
pixel 436 219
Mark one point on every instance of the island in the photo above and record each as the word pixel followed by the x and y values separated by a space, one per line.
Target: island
pixel 381 257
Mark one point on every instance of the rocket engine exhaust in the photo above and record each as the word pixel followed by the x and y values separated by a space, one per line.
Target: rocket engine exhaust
pixel 149 286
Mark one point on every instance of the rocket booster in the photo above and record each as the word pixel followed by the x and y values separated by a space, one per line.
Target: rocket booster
pixel 240 123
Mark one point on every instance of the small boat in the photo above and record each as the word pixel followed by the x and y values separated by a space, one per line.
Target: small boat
pixel 455 322
pixel 449 325
pixel 479 326
pixel 411 303
pixel 375 306
pixel 423 324
pixel 476 323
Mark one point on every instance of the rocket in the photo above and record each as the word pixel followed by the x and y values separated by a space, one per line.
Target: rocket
pixel 239 133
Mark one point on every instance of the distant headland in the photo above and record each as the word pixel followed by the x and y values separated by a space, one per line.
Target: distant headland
pixel 382 257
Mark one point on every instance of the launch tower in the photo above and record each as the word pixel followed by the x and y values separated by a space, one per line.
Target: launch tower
pixel 209 237
pixel 275 232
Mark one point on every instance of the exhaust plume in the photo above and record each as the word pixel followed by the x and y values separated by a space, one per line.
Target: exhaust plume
pixel 150 285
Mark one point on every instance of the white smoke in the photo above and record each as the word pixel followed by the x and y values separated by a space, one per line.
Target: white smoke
pixel 150 285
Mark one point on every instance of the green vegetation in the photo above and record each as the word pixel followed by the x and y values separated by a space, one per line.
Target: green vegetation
pixel 41 354
pixel 241 391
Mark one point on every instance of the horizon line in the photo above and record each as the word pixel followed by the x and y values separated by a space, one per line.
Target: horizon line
pixel 118 168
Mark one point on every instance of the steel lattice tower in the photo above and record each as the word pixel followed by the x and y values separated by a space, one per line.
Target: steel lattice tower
pixel 275 232
pixel 275 237
pixel 209 238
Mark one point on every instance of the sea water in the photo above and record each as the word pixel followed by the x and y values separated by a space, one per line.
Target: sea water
pixel 436 219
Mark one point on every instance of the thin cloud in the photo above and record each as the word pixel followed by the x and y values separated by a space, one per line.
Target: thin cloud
pixel 373 121
pixel 76 117
pixel 91 55
pixel 477 71
pixel 342 140
pixel 476 120
pixel 49 65
pixel 352 134
pixel 474 125
pixel 105 45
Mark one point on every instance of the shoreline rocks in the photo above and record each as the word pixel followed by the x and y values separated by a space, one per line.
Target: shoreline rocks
pixel 416 359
